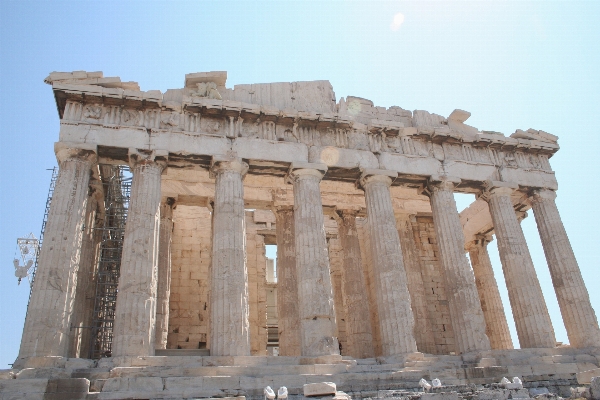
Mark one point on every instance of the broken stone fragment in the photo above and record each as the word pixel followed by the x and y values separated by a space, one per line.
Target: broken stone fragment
pixel 319 389
pixel 269 393
pixel 282 393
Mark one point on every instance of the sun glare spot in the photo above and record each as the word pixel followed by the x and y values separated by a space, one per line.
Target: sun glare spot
pixel 397 21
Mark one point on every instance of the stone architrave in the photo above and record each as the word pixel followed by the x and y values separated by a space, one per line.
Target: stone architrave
pixel 358 328
pixel 424 335
pixel 534 327
pixel 315 293
pixel 164 273
pixel 489 295
pixel 229 313
pixel 465 309
pixel 135 314
pixel 573 298
pixel 396 319
pixel 287 284
pixel 47 325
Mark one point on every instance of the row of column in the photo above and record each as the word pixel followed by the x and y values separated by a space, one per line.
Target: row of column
pixel 308 328
pixel 532 320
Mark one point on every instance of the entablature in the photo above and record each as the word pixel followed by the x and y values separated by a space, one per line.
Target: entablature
pixel 193 125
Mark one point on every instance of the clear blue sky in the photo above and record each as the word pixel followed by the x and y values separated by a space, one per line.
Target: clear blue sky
pixel 513 65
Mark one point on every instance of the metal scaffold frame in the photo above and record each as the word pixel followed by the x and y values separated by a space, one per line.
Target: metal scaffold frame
pixel 117 187
pixel 41 239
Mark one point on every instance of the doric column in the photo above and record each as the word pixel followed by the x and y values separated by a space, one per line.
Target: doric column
pixel 135 314
pixel 315 294
pixel 83 309
pixel 229 325
pixel 532 320
pixel 577 312
pixel 164 273
pixel 358 328
pixel 396 319
pixel 463 301
pixel 489 295
pixel 412 264
pixel 287 284
pixel 47 325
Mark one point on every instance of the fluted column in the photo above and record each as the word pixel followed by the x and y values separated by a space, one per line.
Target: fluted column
pixel 574 301
pixel 412 264
pixel 358 328
pixel 47 325
pixel 135 313
pixel 164 273
pixel 489 295
pixel 229 325
pixel 315 294
pixel 287 284
pixel 83 309
pixel 465 309
pixel 532 320
pixel 396 319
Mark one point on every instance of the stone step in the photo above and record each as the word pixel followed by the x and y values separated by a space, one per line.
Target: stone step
pixel 182 352
pixel 251 371
pixel 214 361
pixel 211 386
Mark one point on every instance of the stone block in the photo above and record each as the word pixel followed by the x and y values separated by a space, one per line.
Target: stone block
pixel 335 157
pixel 133 384
pixel 267 150
pixel 495 394
pixel 319 389
pixel 440 396
pixel 537 391
pixel 8 373
pixel 595 388
pixel 47 373
pixel 13 389
pixel 519 394
pixel 513 386
pixel 407 164
pixel 585 377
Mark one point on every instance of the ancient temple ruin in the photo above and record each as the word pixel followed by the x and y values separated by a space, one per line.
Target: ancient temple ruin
pixel 153 280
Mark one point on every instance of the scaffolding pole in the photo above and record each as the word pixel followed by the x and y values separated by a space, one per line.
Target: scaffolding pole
pixel 41 239
pixel 117 187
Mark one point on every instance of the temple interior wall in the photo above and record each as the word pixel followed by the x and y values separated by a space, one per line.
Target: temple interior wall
pixel 190 262
pixel 336 267
pixel 367 261
pixel 189 317
pixel 434 285
pixel 256 262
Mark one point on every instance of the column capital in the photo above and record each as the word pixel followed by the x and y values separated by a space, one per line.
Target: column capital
pixel 300 169
pixel 521 215
pixel 170 201
pixel 81 151
pixel 96 190
pixel 497 188
pixel 142 157
pixel 376 175
pixel 440 182
pixel 539 195
pixel 282 208
pixel 352 212
pixel 220 164
pixel 481 240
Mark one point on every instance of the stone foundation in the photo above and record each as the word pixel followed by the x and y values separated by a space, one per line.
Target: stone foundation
pixel 187 377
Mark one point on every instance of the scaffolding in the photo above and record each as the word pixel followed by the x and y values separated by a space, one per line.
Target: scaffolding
pixel 44 221
pixel 117 187
pixel 32 272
